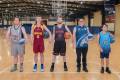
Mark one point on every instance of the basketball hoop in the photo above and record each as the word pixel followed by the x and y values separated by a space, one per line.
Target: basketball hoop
pixel 59 7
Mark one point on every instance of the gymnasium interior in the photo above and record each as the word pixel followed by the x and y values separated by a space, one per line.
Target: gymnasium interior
pixel 94 12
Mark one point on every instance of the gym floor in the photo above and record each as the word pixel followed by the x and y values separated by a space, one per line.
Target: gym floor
pixel 93 63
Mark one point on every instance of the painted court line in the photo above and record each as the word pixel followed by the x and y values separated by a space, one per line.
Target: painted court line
pixel 117 74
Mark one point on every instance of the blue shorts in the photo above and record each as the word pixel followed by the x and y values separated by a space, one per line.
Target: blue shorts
pixel 104 54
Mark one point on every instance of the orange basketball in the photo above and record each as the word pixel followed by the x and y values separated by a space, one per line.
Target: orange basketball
pixel 67 35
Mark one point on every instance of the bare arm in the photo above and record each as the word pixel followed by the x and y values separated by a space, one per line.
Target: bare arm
pixel 31 35
pixel 47 31
pixel 24 33
pixel 74 38
pixel 8 34
pixel 98 37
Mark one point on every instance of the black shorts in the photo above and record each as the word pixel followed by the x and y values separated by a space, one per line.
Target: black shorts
pixel 59 48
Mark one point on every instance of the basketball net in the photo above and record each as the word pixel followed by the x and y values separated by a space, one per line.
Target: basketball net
pixel 59 7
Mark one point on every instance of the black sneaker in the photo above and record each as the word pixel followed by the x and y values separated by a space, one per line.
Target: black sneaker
pixel 102 70
pixel 52 68
pixel 108 70
pixel 78 69
pixel 85 69
pixel 65 68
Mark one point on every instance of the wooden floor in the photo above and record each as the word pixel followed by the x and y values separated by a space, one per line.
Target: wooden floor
pixel 59 74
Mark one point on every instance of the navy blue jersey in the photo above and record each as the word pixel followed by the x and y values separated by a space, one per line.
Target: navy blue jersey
pixel 59 33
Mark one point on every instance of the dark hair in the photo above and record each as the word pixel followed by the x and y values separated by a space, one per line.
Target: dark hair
pixel 104 25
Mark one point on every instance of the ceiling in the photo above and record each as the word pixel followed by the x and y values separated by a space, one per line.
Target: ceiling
pixel 44 7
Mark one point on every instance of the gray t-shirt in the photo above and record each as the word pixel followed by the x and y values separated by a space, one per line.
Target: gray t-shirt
pixel 15 33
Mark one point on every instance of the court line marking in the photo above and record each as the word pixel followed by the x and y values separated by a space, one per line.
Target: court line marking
pixel 5 69
pixel 113 71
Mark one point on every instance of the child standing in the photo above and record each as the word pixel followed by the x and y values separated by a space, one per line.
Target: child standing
pixel 59 43
pixel 14 34
pixel 38 42
pixel 104 40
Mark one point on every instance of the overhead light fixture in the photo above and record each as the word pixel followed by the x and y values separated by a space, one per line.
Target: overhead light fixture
pixel 19 9
pixel 81 2
pixel 38 2
pixel 6 10
pixel 0 1
pixel 8 5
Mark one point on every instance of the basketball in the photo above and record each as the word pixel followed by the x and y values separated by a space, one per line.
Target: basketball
pixel 112 39
pixel 90 36
pixel 45 35
pixel 67 35
pixel 22 41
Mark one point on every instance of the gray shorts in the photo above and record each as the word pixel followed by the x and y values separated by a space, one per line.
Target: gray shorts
pixel 17 49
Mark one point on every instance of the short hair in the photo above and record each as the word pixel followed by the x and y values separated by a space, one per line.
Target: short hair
pixel 105 25
pixel 15 18
pixel 80 19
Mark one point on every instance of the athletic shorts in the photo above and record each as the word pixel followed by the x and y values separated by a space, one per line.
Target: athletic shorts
pixel 17 49
pixel 38 47
pixel 104 54
pixel 59 48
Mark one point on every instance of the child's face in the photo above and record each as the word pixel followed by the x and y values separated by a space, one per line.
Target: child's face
pixel 105 28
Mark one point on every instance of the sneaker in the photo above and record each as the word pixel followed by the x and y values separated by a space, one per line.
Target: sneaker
pixel 102 70
pixel 14 68
pixel 52 68
pixel 108 70
pixel 65 68
pixel 35 68
pixel 85 69
pixel 42 68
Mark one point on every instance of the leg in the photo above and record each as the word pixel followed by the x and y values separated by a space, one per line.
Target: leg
pixel 107 66
pixel 14 54
pixel 54 54
pixel 53 63
pixel 41 58
pixel 65 65
pixel 35 58
pixel 107 62
pixel 78 60
pixel 42 62
pixel 21 57
pixel 15 61
pixel 102 65
pixel 84 58
pixel 35 62
pixel 63 53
